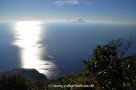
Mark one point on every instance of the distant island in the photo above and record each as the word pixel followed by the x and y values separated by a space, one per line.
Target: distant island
pixel 78 21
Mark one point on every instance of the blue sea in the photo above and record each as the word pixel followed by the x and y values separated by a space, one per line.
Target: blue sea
pixel 58 47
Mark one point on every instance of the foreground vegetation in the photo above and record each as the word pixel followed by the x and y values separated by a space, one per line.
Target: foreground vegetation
pixel 107 68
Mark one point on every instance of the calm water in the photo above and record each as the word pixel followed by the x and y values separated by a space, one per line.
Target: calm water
pixel 55 48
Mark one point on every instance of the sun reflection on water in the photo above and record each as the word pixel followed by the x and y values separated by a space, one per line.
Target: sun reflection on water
pixel 28 35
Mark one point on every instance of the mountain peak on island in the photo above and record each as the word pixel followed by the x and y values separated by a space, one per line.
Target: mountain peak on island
pixel 78 21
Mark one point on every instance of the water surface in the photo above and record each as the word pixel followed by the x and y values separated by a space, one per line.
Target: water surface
pixel 54 48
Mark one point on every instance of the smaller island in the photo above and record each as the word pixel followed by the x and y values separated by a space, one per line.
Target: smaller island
pixel 78 21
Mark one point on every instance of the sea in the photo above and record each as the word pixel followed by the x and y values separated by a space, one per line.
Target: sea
pixel 56 48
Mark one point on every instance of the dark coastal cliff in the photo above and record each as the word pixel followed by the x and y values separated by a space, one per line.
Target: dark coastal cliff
pixel 29 74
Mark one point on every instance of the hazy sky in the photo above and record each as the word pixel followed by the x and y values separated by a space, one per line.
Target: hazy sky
pixel 111 10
